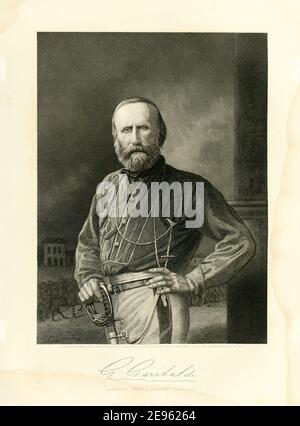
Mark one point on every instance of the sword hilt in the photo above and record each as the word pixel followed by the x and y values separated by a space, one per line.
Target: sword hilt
pixel 107 320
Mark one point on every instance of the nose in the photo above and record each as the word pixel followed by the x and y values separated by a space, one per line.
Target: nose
pixel 135 140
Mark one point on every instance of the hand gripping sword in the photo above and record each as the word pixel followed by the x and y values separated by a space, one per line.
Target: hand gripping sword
pixel 107 318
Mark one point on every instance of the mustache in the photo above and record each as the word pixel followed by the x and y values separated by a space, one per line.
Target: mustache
pixel 126 152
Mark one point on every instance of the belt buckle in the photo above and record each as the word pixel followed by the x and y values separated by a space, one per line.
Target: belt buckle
pixel 116 289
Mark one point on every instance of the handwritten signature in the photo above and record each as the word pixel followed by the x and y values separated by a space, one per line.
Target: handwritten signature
pixel 147 370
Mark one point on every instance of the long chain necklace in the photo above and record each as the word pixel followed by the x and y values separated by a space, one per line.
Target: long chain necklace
pixel 146 243
pixel 155 245
pixel 155 239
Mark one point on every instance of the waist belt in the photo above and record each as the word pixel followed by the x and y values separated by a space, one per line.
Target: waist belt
pixel 128 281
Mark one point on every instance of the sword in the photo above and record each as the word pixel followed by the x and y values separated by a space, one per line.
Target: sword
pixel 107 318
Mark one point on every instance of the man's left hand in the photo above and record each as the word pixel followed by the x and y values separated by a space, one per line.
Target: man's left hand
pixel 170 282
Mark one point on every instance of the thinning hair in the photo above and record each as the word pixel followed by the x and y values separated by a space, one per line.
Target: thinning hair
pixel 162 130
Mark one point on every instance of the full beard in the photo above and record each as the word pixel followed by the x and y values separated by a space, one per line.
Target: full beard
pixel 137 158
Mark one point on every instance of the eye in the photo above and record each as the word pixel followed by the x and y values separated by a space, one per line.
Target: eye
pixel 144 128
pixel 126 130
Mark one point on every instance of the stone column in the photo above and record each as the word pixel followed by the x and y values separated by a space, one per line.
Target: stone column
pixel 247 293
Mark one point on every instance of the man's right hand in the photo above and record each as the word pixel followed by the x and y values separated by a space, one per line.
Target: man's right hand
pixel 90 290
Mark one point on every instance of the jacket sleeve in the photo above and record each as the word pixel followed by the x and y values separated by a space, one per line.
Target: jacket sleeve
pixel 234 247
pixel 87 255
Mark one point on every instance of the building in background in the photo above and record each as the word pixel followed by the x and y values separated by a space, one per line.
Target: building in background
pixel 54 253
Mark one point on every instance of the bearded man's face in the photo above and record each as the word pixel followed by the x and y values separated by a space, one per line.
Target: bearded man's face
pixel 136 137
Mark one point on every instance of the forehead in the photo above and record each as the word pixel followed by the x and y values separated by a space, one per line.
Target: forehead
pixel 139 111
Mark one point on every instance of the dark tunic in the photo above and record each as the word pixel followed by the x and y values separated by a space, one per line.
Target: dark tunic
pixel 109 246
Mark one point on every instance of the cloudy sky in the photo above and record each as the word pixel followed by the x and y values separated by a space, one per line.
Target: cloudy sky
pixel 83 76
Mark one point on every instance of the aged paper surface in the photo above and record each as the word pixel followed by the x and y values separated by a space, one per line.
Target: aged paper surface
pixel 69 374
